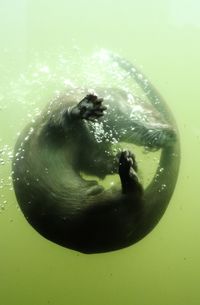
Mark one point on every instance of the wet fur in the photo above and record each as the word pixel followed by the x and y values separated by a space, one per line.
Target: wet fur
pixel 80 214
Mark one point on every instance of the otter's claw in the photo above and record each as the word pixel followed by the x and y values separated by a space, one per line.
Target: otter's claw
pixel 126 161
pixel 128 172
pixel 90 108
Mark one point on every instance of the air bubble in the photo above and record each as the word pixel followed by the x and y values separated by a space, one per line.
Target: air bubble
pixel 44 69
pixel 163 187
pixel 2 162
pixel 140 76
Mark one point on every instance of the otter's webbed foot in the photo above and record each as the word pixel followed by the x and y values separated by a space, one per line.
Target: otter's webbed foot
pixel 128 173
pixel 90 108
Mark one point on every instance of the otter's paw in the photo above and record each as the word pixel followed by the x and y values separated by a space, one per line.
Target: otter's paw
pixel 128 173
pixel 126 162
pixel 91 108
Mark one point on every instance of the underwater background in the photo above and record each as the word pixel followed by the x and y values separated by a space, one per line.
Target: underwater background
pixel 44 47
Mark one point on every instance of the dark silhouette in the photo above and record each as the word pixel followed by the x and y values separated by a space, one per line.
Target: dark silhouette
pixel 51 153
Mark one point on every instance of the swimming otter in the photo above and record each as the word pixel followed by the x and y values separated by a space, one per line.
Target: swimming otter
pixel 65 141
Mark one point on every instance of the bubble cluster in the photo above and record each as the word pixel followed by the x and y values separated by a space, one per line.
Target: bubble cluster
pixel 6 154
pixel 44 80
pixel 163 188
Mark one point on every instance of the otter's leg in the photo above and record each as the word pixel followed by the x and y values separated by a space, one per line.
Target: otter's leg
pixel 128 174
pixel 95 157
pixel 90 108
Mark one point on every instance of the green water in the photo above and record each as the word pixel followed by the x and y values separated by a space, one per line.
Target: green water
pixel 38 38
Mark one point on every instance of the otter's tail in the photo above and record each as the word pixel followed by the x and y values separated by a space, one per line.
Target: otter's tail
pixel 160 190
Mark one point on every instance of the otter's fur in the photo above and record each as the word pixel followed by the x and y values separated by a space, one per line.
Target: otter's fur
pixel 51 153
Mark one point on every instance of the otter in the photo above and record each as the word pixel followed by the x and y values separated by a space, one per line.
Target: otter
pixel 72 137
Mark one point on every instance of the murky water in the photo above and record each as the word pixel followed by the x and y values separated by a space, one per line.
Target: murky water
pixel 46 47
